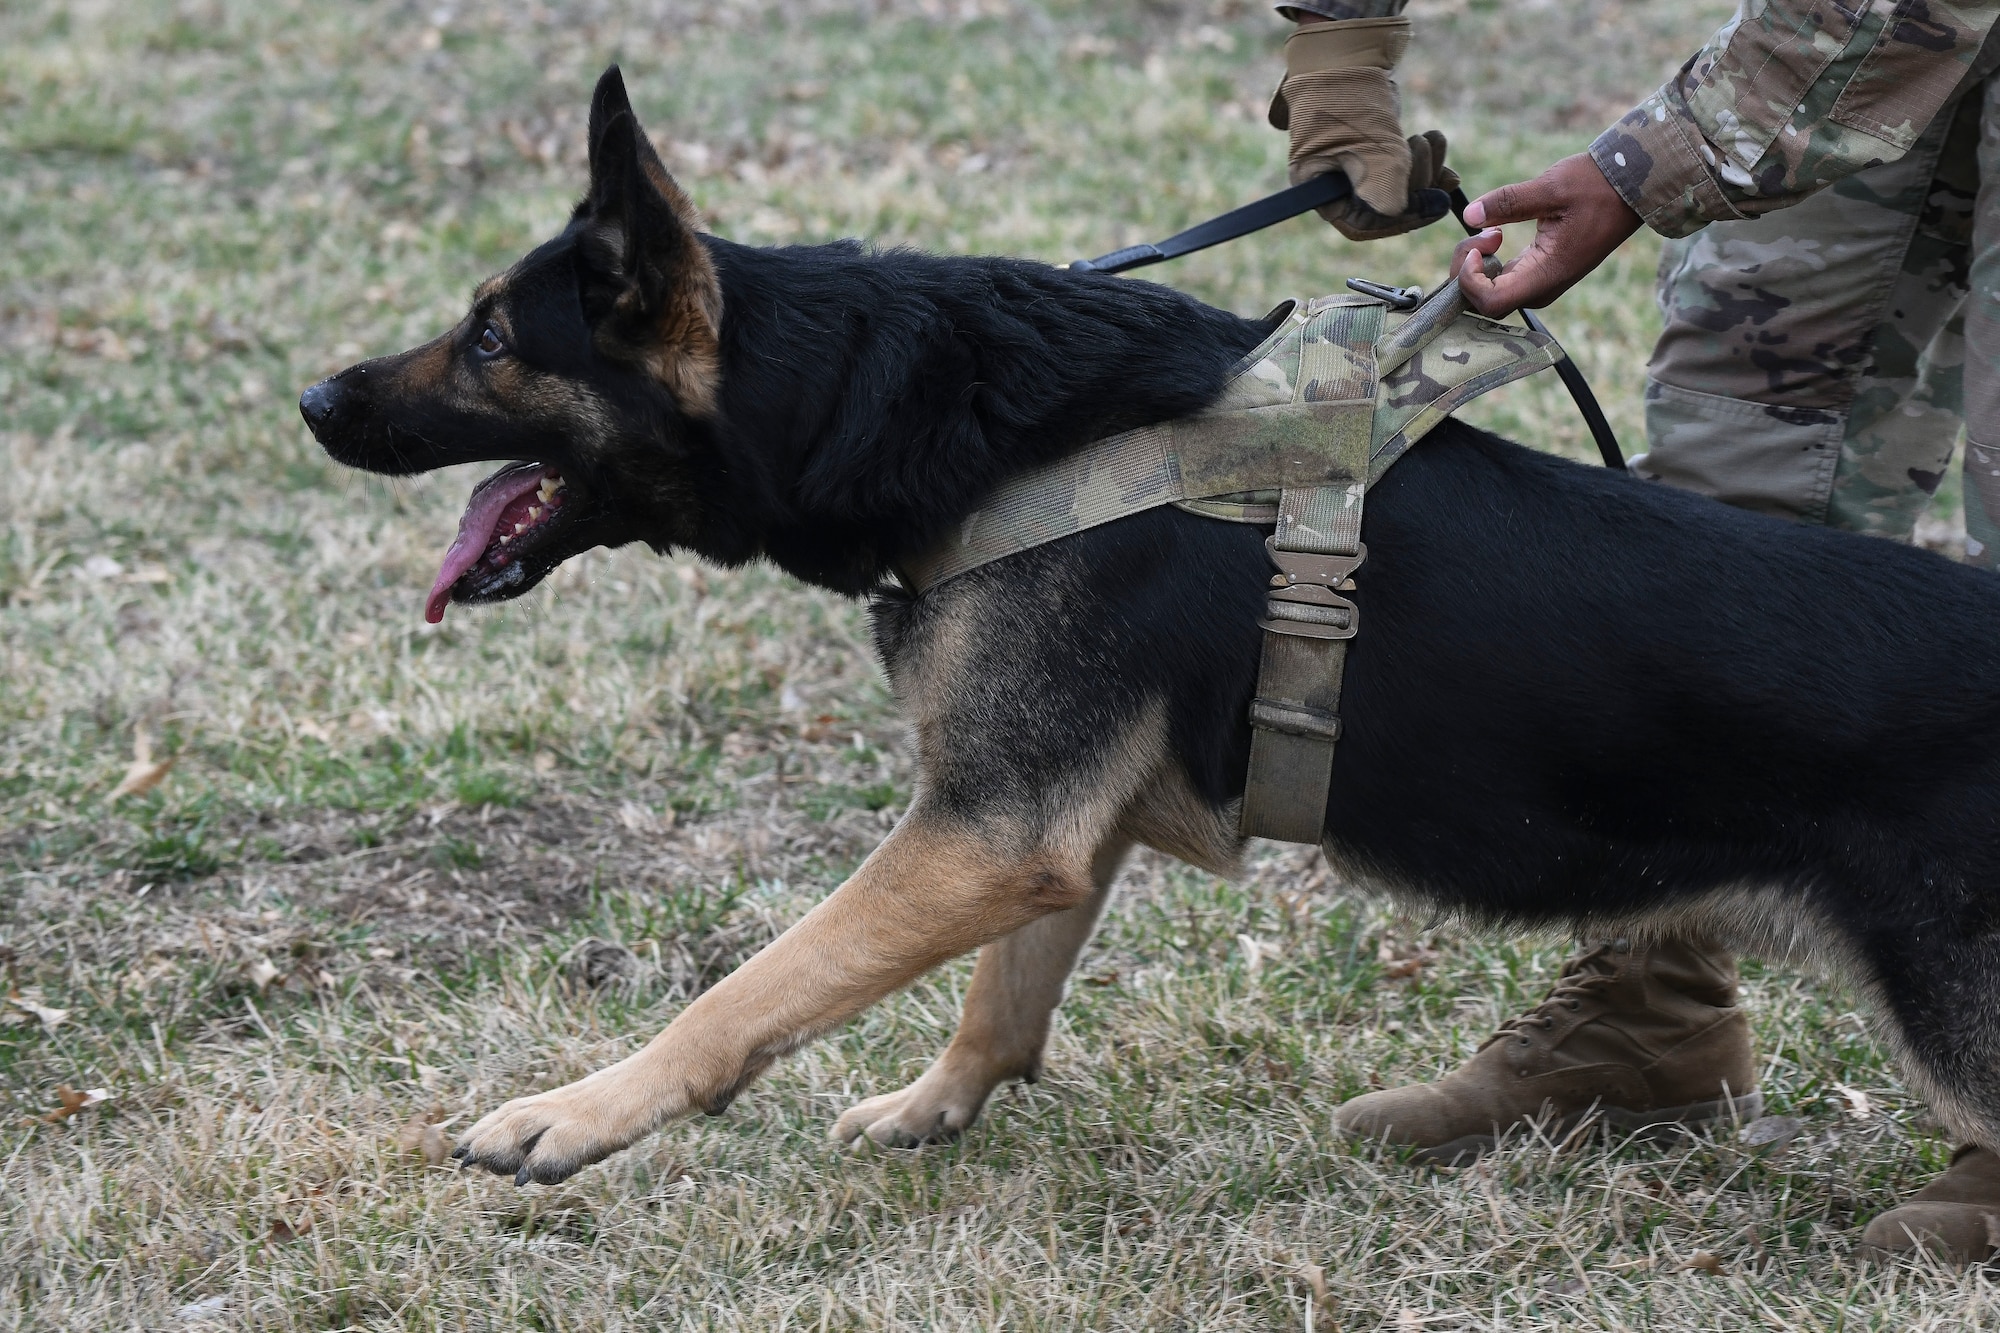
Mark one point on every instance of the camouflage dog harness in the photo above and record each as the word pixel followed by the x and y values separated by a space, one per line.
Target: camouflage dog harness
pixel 1306 423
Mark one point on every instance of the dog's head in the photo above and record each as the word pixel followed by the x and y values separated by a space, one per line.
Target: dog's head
pixel 590 365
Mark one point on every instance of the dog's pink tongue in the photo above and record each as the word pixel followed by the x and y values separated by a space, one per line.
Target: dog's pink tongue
pixel 475 529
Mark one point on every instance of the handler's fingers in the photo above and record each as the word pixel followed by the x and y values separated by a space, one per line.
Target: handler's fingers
pixel 1482 243
pixel 1523 202
pixel 1473 284
pixel 1526 282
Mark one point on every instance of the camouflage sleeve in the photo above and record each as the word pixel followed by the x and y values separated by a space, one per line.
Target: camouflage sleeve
pixel 1300 10
pixel 1788 97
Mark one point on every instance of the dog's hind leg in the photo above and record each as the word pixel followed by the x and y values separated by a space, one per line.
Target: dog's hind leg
pixel 1015 989
pixel 1942 999
pixel 937 887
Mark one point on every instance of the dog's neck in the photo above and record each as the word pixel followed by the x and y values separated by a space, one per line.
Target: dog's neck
pixel 871 400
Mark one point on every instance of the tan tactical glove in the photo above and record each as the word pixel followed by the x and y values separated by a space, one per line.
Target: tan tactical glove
pixel 1340 105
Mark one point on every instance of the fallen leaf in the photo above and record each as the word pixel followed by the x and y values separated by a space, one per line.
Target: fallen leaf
pixel 210 1307
pixel 1278 1072
pixel 143 773
pixel 74 1102
pixel 51 1017
pixel 1400 961
pixel 1771 1134
pixel 1703 1261
pixel 1315 1277
pixel 282 1230
pixel 1255 951
pixel 263 972
pixel 1859 1104
pixel 421 1137
pixel 544 762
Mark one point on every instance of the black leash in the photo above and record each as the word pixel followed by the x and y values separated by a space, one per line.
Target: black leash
pixel 1312 194
pixel 1272 208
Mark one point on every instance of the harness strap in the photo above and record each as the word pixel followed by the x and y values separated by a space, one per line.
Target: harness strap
pixel 1298 413
pixel 1306 423
pixel 1295 718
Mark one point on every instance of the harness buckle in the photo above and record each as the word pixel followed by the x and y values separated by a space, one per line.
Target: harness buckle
pixel 1304 567
pixel 1302 600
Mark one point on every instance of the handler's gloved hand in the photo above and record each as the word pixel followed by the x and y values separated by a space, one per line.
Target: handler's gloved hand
pixel 1341 107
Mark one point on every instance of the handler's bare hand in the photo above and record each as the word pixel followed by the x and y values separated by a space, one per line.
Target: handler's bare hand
pixel 1579 220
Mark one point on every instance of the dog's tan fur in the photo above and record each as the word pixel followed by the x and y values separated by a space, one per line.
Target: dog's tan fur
pixel 1016 986
pixel 933 890
pixel 1028 888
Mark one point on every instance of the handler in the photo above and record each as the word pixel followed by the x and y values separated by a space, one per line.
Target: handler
pixel 1817 365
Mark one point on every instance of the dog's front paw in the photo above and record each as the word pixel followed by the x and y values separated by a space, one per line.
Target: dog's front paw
pixel 937 1108
pixel 553 1135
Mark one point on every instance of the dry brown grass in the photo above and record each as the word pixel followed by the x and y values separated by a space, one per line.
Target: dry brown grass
pixel 360 904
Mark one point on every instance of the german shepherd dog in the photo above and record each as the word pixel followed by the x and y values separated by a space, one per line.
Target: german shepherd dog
pixel 1578 699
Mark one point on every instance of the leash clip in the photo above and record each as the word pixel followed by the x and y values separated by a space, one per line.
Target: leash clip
pixel 1396 298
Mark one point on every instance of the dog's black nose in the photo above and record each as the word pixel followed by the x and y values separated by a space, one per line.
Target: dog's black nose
pixel 317 404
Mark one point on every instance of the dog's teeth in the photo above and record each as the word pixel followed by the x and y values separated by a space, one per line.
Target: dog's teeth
pixel 506 537
pixel 534 512
pixel 550 485
pixel 520 527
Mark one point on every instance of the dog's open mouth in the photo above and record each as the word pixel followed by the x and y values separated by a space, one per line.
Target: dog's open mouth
pixel 513 516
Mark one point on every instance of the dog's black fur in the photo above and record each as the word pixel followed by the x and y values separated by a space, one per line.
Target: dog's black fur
pixel 1575 698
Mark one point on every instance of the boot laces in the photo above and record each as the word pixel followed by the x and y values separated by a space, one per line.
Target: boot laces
pixel 1584 976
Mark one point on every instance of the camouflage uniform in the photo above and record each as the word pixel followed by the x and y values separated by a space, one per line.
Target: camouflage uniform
pixel 1818 365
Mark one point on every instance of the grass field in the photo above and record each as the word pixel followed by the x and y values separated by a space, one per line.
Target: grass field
pixel 396 873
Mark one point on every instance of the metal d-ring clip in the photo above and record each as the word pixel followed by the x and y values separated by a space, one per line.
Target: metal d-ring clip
pixel 1302 600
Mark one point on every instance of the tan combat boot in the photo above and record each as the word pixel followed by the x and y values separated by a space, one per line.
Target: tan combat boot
pixel 1645 1034
pixel 1956 1216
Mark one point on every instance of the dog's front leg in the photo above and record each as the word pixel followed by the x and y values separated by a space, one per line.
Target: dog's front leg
pixel 1014 993
pixel 936 888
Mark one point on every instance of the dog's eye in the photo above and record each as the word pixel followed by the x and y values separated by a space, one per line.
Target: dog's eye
pixel 490 344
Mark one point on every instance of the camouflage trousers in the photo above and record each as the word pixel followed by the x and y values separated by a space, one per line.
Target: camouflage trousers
pixel 1820 363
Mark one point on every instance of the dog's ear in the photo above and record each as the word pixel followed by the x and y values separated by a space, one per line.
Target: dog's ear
pixel 608 101
pixel 649 289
